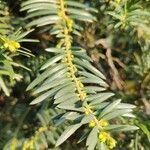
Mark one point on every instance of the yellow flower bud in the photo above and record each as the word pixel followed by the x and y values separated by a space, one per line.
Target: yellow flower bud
pixel 6 45
pixel 92 124
pixel 70 24
pixel 17 45
pixel 80 84
pixel 87 110
pixel 103 136
pixel 13 144
pixel 31 145
pixel 103 123
pixel 72 56
pixel 68 75
pixel 26 145
pixel 11 45
pixel 11 48
pixel 118 1
pixel 71 68
pixel 42 129
pixel 69 58
pixel 64 60
pixel 107 139
pixel 82 95
pixel 111 142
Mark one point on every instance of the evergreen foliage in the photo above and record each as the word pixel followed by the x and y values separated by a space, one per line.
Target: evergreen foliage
pixel 82 91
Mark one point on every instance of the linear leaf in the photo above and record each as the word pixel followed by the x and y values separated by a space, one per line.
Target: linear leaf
pixel 92 139
pixel 44 75
pixel 65 90
pixel 68 96
pixel 110 107
pixel 4 87
pixel 52 61
pixel 54 50
pixel 116 113
pixel 43 97
pixel 67 133
pixel 52 84
pixel 121 128
pixel 89 67
pixel 100 97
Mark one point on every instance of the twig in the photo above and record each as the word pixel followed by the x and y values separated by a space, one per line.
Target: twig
pixel 115 74
pixel 110 60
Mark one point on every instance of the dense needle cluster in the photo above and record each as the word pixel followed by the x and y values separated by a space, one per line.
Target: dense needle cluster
pixel 68 59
